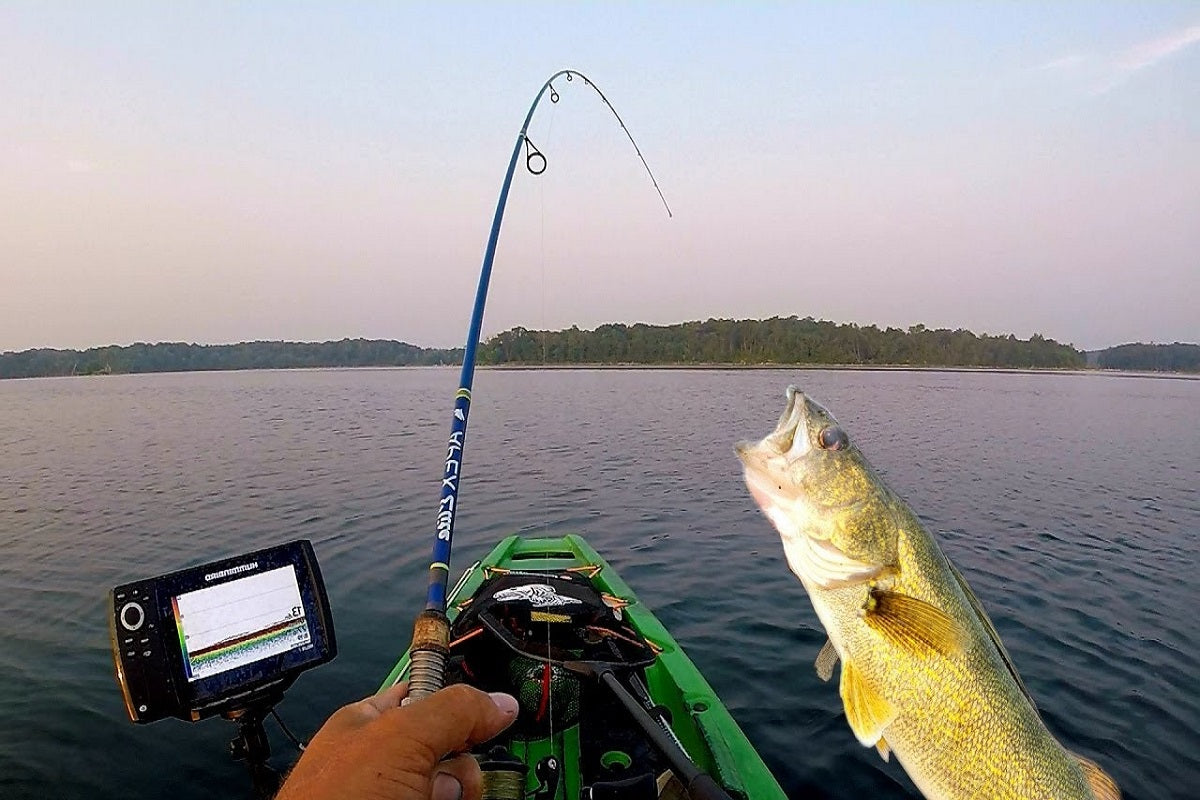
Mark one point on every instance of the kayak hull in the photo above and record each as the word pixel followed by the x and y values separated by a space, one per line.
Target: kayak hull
pixel 698 719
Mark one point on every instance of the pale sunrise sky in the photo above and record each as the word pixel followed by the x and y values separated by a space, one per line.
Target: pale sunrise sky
pixel 217 172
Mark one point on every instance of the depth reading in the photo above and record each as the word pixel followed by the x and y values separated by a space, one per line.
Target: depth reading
pixel 232 624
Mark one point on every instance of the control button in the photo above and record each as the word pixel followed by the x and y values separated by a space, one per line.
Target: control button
pixel 143 641
pixel 145 652
pixel 142 708
pixel 131 653
pixel 120 595
pixel 132 616
pixel 127 640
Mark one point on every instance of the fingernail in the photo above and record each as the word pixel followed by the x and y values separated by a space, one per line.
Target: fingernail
pixel 505 702
pixel 446 787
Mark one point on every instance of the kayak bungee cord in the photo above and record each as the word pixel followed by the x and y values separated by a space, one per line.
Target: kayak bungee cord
pixel 431 632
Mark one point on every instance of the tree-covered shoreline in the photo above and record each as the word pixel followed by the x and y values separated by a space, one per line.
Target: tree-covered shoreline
pixel 1176 357
pixel 181 357
pixel 780 341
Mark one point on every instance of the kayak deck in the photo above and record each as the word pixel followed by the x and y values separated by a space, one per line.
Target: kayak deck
pixel 600 752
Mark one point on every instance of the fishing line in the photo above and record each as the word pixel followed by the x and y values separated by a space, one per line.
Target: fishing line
pixel 544 326
pixel 550 686
pixel 542 200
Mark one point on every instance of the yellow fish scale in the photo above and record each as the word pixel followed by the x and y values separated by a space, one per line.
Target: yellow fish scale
pixel 963 728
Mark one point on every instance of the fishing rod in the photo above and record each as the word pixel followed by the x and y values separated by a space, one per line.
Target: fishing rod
pixel 431 632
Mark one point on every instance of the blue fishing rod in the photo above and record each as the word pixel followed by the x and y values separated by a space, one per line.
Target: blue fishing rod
pixel 431 632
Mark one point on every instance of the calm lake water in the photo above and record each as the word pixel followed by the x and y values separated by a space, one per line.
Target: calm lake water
pixel 1069 502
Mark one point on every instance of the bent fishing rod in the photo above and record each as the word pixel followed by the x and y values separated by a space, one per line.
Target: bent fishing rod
pixel 431 632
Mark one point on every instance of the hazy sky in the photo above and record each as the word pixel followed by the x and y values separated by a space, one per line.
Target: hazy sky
pixel 217 172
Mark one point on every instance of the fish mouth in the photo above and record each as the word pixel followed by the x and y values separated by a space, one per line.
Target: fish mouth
pixel 789 438
pixel 794 420
pixel 794 397
pixel 775 470
pixel 766 460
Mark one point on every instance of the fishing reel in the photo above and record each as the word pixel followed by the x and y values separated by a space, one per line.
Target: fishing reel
pixel 521 629
pixel 504 776
pixel 576 668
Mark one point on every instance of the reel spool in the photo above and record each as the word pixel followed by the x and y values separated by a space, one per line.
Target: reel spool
pixel 503 775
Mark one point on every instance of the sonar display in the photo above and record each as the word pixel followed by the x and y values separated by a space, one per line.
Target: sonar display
pixel 232 624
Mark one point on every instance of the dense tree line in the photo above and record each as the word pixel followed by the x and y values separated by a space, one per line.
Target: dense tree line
pixel 1157 357
pixel 779 340
pixel 179 357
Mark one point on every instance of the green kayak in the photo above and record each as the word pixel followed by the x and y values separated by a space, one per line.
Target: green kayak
pixel 539 618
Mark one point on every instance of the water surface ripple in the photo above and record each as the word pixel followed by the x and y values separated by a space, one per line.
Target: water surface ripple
pixel 1069 502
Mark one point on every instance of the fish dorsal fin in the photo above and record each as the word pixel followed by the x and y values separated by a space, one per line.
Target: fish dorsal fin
pixel 986 621
pixel 867 712
pixel 1103 787
pixel 826 660
pixel 912 624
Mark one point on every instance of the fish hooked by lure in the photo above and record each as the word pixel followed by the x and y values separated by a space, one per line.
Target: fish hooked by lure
pixel 924 674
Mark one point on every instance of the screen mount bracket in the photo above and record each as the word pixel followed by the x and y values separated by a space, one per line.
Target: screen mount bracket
pixel 252 746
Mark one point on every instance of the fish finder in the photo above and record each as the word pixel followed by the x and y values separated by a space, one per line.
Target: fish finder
pixel 221 637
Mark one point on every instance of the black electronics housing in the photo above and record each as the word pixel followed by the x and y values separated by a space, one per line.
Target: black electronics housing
pixel 222 636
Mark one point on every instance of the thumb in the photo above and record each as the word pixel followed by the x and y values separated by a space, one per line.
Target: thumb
pixel 454 719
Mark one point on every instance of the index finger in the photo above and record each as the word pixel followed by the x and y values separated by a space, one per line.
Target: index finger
pixel 454 719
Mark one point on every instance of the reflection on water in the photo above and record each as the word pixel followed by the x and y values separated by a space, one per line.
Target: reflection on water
pixel 1069 502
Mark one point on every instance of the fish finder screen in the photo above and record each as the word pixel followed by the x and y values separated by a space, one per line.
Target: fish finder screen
pixel 232 624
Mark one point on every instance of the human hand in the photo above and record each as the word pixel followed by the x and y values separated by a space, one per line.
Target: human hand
pixel 377 750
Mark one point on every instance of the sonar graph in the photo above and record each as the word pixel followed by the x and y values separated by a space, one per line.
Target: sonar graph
pixel 236 623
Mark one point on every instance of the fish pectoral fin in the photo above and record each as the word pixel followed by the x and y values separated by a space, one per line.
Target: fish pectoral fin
pixel 912 624
pixel 1103 787
pixel 866 710
pixel 826 660
pixel 885 752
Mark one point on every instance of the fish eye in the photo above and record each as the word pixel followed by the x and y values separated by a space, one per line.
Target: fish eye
pixel 833 438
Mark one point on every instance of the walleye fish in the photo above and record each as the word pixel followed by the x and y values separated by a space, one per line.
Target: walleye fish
pixel 924 674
